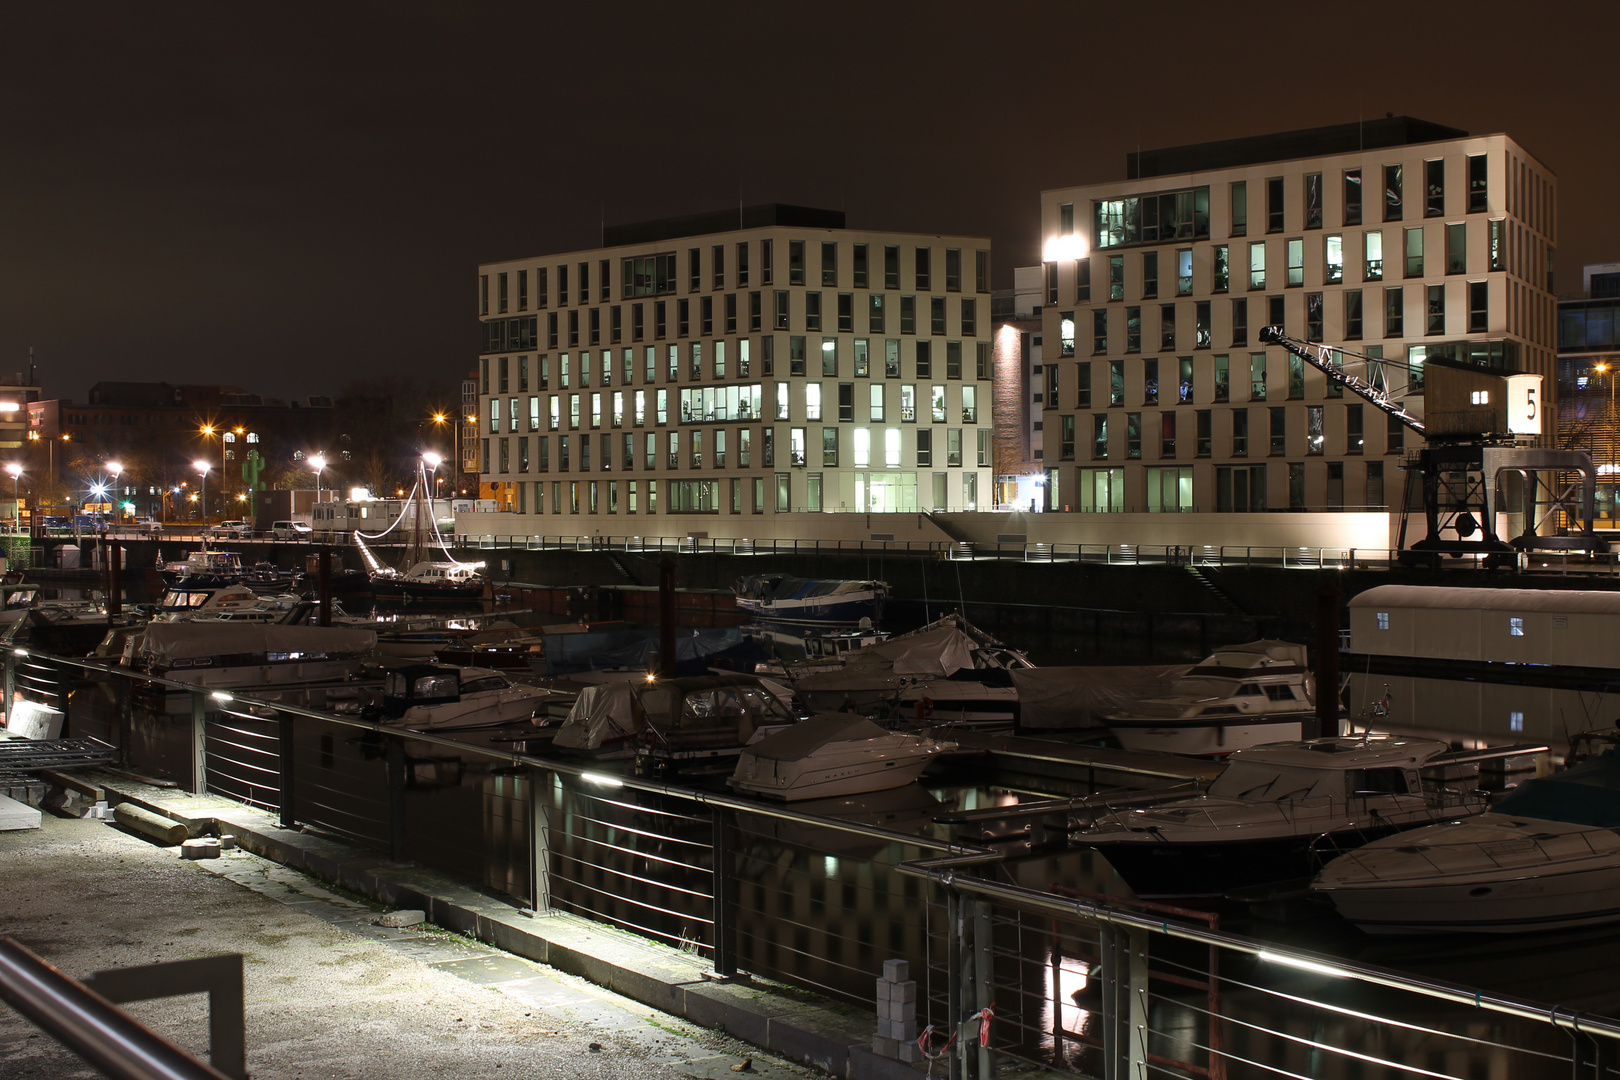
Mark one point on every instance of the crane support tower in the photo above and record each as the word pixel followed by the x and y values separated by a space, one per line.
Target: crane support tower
pixel 1476 465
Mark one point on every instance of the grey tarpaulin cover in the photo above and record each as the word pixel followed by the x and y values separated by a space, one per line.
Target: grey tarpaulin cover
pixel 167 642
pixel 603 713
pixel 1073 697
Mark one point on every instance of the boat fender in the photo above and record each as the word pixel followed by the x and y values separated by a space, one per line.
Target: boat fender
pixel 925 708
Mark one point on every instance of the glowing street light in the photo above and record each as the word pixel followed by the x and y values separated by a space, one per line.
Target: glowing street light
pixel 432 461
pixel 202 467
pixel 318 463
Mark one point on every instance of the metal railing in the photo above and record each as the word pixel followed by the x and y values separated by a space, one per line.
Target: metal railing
pixel 826 900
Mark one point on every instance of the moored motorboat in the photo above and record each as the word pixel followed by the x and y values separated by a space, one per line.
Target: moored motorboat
pixel 1261 818
pixel 821 601
pixel 1546 856
pixel 245 656
pixel 832 755
pixel 442 580
pixel 946 672
pixel 1240 696
pixel 202 569
pixel 429 697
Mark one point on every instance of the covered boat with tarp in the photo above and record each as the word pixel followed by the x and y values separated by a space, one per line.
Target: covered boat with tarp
pixel 823 601
pixel 832 755
pixel 948 671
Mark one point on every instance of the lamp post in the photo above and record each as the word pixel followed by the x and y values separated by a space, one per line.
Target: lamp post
pixel 115 469
pixel 318 463
pixel 202 467
pixel 432 460
pixel 16 471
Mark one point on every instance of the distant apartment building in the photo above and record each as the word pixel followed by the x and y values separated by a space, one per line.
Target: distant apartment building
pixel 715 374
pixel 1396 239
pixel 1588 370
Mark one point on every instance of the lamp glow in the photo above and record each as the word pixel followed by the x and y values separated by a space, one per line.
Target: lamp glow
pixel 1065 248
pixel 220 695
pixel 1302 964
pixel 602 780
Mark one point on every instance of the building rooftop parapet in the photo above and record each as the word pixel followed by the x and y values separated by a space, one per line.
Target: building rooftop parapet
pixel 719 221
pixel 1287 145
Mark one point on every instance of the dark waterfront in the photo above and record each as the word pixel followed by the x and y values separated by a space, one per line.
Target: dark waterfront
pixel 824 909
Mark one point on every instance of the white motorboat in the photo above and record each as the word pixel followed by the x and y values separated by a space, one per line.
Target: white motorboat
pixel 1546 856
pixel 830 756
pixel 226 602
pixel 703 719
pixel 1259 820
pixel 948 671
pixel 436 697
pixel 1241 696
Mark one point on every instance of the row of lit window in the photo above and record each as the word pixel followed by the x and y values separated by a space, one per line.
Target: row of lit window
pixel 865 447
pixel 704 496
pixel 697 364
pixel 1106 429
pixel 657 274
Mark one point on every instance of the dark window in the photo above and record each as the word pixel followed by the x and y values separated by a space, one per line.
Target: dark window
pixel 858 266
pixel 891 266
pixel 1167 328
pixel 1082 388
pixel 1279 430
pixel 953 269
pixel 922 275
pixel 1150 382
pixel 1099 331
pixel 1313 200
pixel 1478 190
pixel 1478 307
pixel 1150 275
pixel 1392 193
pixel 742 264
pixel 1437 310
pixel 908 314
pixel 1434 188
pixel 1352 315
pixel 1274 204
pixel 1313 316
pixel 795 262
pixel 766 250
pixel 1240 322
pixel 846 313
pixel 829 264
pixel 1352 196
pixel 1394 313
pixel 1205 438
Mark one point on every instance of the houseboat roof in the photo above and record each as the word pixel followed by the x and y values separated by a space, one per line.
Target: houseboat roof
pixel 1342 752
pixel 1581 601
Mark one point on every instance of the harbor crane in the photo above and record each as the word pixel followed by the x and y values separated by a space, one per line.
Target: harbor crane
pixel 1476 465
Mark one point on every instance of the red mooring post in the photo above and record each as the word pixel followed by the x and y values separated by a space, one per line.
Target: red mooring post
pixel 666 617
pixel 1327 661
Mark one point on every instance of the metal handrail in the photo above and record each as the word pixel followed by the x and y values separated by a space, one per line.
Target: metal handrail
pixel 111 1040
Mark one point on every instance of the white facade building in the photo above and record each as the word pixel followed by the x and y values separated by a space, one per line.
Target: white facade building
pixel 720 374
pixel 1395 238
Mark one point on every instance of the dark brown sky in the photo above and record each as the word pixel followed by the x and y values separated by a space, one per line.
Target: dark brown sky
pixel 289 196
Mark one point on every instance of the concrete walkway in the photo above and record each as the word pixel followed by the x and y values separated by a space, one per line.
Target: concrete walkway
pixel 557 978
pixel 328 993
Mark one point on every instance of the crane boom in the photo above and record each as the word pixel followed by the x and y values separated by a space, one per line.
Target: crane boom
pixel 1321 358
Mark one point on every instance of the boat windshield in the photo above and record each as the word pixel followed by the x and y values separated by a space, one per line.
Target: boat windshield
pixel 488 682
pixel 1254 782
pixel 181 599
pixel 399 684
pixel 732 702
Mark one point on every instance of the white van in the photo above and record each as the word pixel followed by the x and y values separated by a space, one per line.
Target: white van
pixel 290 530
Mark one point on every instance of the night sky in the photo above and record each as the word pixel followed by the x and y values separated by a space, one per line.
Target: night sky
pixel 289 196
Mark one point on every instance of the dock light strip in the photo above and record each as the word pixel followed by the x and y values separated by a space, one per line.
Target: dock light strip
pixel 220 695
pixel 601 779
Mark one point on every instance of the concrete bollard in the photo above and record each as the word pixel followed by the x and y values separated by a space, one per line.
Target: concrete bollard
pixel 158 827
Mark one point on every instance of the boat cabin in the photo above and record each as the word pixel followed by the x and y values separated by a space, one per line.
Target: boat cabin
pixel 703 716
pixel 1333 768
pixel 435 684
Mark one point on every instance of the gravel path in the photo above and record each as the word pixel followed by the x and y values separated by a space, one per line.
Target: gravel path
pixel 328 993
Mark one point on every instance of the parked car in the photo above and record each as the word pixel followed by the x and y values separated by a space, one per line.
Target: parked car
pixel 148 525
pixel 237 529
pixel 290 530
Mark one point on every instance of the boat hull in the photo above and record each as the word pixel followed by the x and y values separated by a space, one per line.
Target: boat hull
pixel 818 611
pixel 1193 869
pixel 384 587
pixel 1550 901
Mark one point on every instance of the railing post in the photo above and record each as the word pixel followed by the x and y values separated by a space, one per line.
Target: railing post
pixel 1125 983
pixel 284 746
pixel 199 743
pixel 396 798
pixel 539 843
pixel 725 929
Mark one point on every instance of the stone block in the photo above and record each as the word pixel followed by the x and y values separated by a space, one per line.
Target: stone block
pixel 896 971
pixel 905 991
pixel 885 1047
pixel 204 848
pixel 902 1010
pixel 885 992
pixel 227 842
pixel 909 1052
pixel 401 918
pixel 896 1029
pixel 17 815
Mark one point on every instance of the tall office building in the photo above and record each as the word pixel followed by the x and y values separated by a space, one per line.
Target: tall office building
pixel 1396 239
pixel 723 371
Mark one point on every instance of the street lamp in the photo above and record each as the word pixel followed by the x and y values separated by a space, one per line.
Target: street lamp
pixel 318 463
pixel 16 492
pixel 115 470
pixel 203 467
pixel 432 461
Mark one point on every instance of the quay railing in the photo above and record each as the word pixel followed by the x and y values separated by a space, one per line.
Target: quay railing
pixel 1009 965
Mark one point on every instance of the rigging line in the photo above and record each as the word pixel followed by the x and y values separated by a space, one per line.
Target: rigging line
pixel 433 519
pixel 397 521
